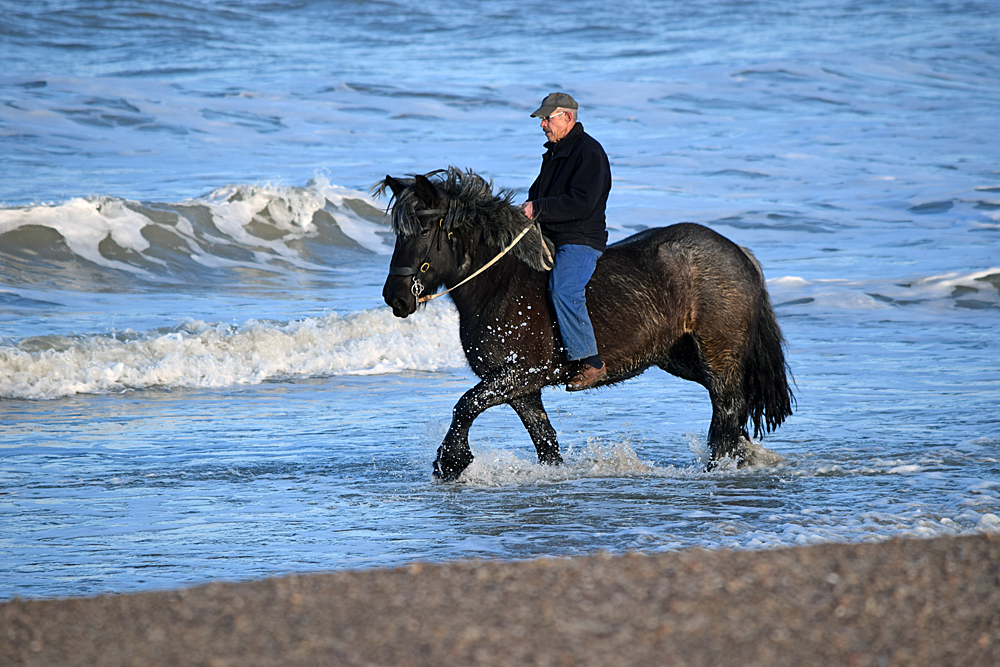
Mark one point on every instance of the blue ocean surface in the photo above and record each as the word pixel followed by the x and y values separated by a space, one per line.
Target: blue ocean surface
pixel 199 380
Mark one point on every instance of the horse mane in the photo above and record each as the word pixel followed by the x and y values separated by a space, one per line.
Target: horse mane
pixel 475 214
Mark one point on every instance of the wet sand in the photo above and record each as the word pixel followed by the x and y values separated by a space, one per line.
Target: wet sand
pixel 903 602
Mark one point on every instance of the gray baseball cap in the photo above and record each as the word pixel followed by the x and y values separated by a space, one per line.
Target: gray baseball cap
pixel 555 101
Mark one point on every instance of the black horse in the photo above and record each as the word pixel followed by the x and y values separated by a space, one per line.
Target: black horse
pixel 683 298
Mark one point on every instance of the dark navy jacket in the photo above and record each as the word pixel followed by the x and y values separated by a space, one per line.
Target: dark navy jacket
pixel 571 191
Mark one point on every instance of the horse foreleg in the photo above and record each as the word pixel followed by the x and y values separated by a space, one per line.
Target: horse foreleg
pixel 532 413
pixel 454 455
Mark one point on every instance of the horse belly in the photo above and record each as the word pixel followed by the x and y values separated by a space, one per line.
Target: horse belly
pixel 635 326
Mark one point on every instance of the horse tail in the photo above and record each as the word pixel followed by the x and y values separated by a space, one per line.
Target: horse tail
pixel 765 376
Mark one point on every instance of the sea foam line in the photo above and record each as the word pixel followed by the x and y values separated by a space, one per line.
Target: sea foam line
pixel 202 355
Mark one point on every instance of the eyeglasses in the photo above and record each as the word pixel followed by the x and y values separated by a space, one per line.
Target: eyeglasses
pixel 548 119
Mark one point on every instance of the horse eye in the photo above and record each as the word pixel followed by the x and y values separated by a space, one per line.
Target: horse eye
pixel 424 233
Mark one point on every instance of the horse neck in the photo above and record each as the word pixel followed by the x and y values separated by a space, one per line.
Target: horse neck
pixel 491 288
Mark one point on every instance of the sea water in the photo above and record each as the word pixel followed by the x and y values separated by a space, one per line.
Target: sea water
pixel 200 382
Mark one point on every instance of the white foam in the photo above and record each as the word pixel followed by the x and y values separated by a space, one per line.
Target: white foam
pixel 203 355
pixel 290 210
pixel 988 523
pixel 788 281
pixel 883 293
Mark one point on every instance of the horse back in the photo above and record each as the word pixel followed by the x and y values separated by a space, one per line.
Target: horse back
pixel 652 289
pixel 686 256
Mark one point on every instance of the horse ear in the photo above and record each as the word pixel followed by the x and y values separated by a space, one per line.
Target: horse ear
pixel 426 192
pixel 394 185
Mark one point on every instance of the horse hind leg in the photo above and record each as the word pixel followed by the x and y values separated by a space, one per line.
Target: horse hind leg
pixel 532 413
pixel 719 371
pixel 727 431
pixel 688 359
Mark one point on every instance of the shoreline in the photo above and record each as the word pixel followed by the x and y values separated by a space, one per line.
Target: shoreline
pixel 902 602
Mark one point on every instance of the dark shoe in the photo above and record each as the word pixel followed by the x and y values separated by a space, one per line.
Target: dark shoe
pixel 587 377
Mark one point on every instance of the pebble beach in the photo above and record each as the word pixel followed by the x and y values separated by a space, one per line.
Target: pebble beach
pixel 900 602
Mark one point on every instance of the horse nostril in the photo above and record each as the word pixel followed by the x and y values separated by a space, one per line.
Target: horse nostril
pixel 400 308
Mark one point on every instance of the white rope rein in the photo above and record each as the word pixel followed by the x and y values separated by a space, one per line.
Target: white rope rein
pixel 492 262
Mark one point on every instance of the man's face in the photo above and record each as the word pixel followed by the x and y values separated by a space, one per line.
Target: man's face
pixel 557 125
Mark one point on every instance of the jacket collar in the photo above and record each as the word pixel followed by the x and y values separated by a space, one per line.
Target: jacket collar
pixel 566 142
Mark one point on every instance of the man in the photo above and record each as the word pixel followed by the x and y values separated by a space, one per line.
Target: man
pixel 568 200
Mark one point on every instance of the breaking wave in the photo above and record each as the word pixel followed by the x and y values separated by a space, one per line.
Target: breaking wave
pixel 237 228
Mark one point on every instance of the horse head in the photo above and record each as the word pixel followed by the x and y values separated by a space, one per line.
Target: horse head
pixel 443 218
pixel 424 255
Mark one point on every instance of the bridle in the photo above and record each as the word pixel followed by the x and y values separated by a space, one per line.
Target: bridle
pixel 417 288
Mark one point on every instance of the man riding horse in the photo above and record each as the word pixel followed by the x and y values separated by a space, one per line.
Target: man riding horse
pixel 568 200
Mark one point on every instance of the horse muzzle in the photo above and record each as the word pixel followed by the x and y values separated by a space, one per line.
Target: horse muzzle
pixel 398 295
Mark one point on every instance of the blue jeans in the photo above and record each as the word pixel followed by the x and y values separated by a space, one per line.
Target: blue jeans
pixel 571 271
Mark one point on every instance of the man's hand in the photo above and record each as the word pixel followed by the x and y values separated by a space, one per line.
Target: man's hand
pixel 528 210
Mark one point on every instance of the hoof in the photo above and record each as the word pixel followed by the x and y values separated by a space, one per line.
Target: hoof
pixel 446 474
pixel 450 470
